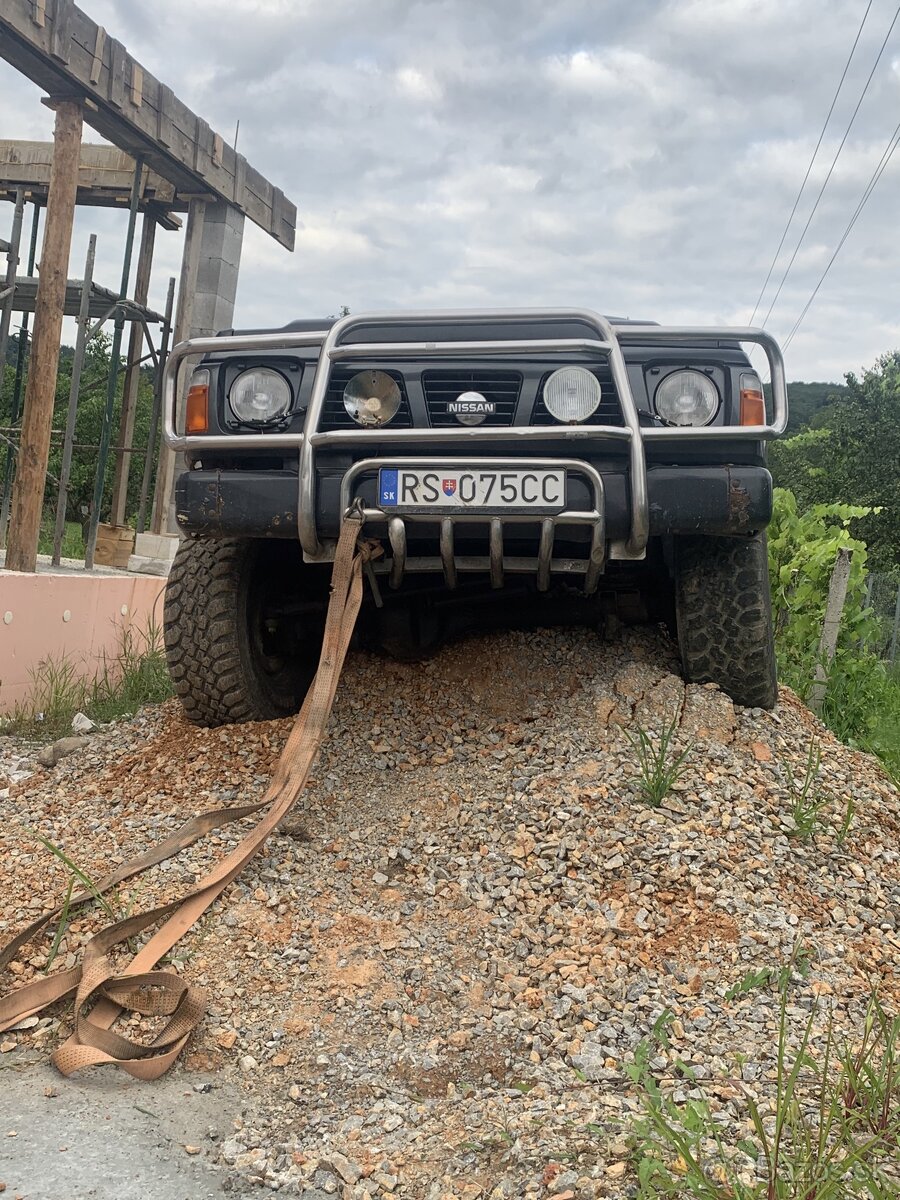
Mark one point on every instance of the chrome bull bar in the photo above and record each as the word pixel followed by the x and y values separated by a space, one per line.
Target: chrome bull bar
pixel 496 563
pixel 333 348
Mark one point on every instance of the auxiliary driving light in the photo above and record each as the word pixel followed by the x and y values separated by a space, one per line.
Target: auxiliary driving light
pixel 260 396
pixel 372 398
pixel 687 398
pixel 572 394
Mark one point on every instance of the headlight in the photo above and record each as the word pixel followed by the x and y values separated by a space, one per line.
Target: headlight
pixel 260 396
pixel 687 398
pixel 372 398
pixel 572 394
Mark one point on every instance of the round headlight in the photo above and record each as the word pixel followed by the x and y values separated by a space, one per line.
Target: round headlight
pixel 687 398
pixel 572 394
pixel 372 398
pixel 260 396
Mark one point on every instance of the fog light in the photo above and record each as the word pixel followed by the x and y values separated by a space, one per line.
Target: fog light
pixel 572 394
pixel 372 398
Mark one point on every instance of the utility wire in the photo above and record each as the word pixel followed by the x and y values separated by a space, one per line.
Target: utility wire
pixel 837 155
pixel 762 290
pixel 887 155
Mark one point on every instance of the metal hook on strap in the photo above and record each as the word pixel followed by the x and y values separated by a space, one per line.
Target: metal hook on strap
pixel 355 511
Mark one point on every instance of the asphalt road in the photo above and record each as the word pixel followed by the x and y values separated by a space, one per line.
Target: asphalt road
pixel 104 1136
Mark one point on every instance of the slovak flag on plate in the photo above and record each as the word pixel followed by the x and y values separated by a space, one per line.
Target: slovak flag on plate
pixel 449 487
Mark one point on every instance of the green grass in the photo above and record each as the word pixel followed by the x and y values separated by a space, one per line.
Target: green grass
pixel 137 675
pixel 72 544
pixel 862 706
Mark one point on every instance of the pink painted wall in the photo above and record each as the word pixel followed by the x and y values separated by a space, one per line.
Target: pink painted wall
pixel 75 616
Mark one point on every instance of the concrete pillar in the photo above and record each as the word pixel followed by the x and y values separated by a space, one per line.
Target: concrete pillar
pixel 217 272
pixel 206 295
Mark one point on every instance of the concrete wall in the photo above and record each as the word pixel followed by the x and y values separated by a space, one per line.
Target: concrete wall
pixel 70 616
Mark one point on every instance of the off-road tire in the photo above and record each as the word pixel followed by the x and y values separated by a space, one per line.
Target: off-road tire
pixel 217 665
pixel 723 613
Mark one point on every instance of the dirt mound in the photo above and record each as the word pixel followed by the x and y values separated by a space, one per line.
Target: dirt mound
pixel 432 981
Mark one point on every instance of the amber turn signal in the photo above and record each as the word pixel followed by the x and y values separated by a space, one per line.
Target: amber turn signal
pixel 197 410
pixel 753 400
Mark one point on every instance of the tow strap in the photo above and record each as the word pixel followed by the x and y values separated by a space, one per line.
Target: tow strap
pixel 101 995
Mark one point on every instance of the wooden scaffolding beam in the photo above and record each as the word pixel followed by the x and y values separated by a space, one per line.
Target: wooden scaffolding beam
pixel 67 53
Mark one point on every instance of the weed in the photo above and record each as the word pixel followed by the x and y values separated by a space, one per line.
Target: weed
pixel 78 873
pixel 833 1135
pixel 660 765
pixel 137 675
pixel 847 821
pixel 660 1030
pixel 808 802
pixel 112 907
pixel 799 963
pixel 62 926
pixel 872 1080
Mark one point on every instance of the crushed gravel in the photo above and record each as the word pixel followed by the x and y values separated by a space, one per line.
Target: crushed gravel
pixel 433 979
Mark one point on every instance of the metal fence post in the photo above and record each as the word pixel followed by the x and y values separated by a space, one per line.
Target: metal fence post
pixel 153 432
pixel 84 320
pixel 8 287
pixel 103 452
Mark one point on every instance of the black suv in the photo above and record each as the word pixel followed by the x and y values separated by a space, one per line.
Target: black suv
pixel 519 466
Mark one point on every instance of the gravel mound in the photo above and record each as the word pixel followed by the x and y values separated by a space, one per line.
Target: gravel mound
pixel 432 981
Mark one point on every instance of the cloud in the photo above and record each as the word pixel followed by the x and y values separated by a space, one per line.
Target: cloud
pixel 638 158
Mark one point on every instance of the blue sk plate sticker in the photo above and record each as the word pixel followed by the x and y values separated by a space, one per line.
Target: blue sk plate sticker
pixel 387 487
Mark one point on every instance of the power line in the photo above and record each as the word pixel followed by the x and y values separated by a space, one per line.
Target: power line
pixel 837 155
pixel 887 155
pixel 762 290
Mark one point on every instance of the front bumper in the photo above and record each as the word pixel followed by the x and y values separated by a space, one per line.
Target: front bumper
pixel 463 335
pixel 682 500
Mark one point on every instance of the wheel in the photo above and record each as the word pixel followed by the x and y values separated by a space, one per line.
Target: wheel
pixel 723 613
pixel 243 627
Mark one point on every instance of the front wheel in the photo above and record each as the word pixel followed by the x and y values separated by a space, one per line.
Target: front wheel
pixel 243 628
pixel 723 612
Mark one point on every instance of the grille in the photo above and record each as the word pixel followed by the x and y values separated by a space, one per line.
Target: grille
pixel 608 413
pixel 500 387
pixel 335 416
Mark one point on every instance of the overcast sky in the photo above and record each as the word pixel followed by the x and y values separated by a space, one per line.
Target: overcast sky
pixel 639 157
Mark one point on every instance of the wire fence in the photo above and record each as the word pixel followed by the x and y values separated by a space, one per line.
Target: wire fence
pixel 883 597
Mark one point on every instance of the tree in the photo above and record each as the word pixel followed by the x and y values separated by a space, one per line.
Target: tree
pixel 851 458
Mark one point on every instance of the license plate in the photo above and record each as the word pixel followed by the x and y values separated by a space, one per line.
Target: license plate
pixel 412 489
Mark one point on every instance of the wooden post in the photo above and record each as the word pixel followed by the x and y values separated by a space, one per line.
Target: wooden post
pixel 132 374
pixel 31 476
pixel 837 594
pixel 190 265
pixel 17 388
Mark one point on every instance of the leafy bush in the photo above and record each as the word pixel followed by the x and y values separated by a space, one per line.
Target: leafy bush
pixel 862 701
